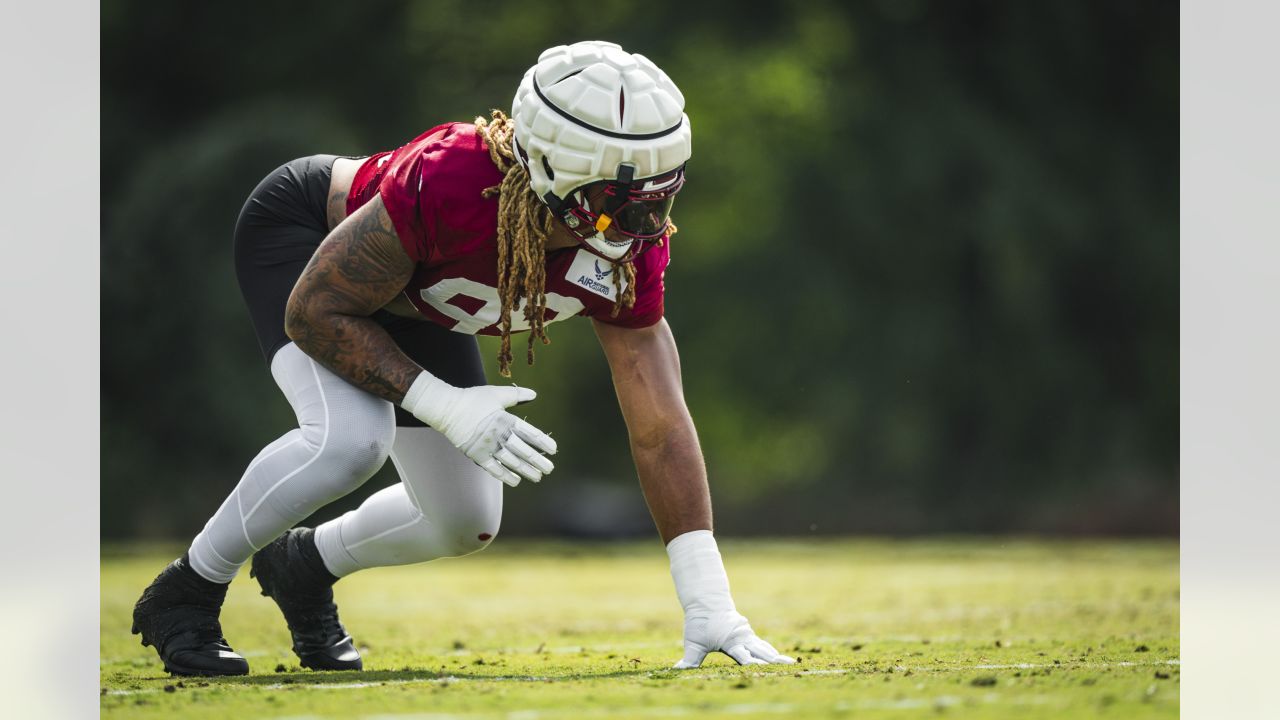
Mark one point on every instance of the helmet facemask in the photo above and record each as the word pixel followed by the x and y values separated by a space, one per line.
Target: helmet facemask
pixel 637 209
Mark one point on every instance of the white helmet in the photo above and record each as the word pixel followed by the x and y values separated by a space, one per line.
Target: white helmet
pixel 593 113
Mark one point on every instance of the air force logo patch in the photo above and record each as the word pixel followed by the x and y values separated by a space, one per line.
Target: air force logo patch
pixel 596 275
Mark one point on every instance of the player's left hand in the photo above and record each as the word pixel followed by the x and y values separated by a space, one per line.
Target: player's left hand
pixel 726 631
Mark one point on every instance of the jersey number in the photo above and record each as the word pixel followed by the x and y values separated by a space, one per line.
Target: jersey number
pixel 438 295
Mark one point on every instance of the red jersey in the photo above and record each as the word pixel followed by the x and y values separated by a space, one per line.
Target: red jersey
pixel 431 188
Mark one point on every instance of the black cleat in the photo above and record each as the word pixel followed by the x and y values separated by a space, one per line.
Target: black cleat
pixel 292 573
pixel 178 616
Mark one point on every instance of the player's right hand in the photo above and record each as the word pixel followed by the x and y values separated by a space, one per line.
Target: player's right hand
pixel 477 422
pixel 727 631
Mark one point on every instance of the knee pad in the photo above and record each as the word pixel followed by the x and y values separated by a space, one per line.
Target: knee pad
pixel 353 448
pixel 348 431
pixel 466 527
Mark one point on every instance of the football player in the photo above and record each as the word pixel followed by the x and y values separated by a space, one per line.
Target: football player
pixel 366 281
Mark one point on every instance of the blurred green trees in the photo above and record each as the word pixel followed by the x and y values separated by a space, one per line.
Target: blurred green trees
pixel 926 278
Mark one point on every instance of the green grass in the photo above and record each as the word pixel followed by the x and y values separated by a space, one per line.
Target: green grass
pixel 529 631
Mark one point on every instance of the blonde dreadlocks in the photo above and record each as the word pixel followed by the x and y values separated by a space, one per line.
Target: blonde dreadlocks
pixel 524 224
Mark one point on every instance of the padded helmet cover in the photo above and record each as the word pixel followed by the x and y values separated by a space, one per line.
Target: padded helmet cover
pixel 585 108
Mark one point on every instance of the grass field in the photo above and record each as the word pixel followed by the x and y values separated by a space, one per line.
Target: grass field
pixel 528 631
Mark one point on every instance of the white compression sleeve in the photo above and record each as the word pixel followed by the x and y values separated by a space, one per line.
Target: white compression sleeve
pixel 698 572
pixel 344 436
pixel 444 506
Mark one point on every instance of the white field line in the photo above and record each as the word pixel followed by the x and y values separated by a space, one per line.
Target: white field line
pixel 790 671
pixel 1072 666
pixel 937 668
pixel 939 702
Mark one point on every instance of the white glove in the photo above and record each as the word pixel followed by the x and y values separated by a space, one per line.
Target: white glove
pixel 711 622
pixel 476 421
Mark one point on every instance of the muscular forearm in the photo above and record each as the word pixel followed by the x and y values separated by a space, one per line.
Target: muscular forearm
pixel 358 350
pixel 673 478
pixel 355 271
pixel 664 444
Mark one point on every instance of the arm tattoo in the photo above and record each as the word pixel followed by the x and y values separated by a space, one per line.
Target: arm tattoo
pixel 358 268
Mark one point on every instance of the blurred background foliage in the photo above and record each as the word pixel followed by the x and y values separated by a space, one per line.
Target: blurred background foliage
pixel 926 279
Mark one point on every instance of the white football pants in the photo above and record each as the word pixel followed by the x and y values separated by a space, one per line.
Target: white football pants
pixel 444 506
